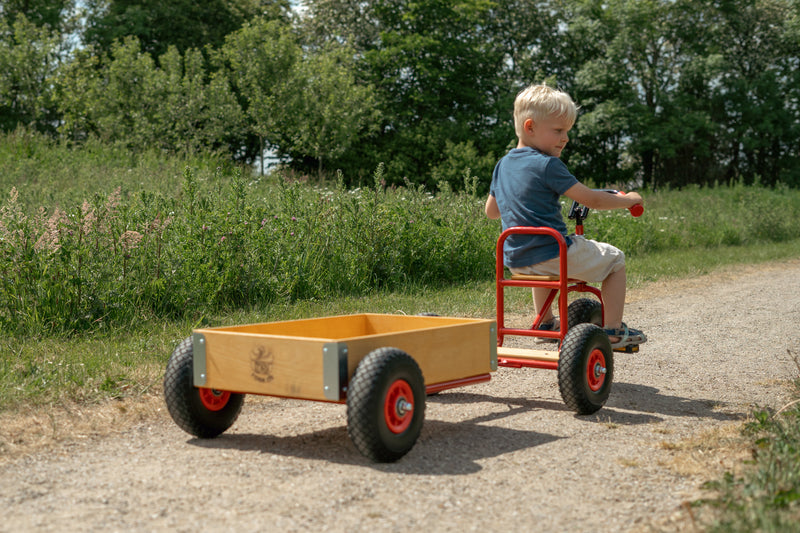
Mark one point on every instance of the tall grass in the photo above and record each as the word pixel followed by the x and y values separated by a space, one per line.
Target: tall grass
pixel 53 174
pixel 226 242
pixel 702 217
pixel 97 238
pixel 213 238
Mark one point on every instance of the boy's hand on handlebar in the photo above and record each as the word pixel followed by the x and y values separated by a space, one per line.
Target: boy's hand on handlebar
pixel 635 208
pixel 634 197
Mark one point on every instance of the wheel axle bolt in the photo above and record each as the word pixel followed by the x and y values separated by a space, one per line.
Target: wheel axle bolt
pixel 404 407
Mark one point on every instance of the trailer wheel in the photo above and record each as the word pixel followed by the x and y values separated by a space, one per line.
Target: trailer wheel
pixel 585 311
pixel 585 368
pixel 201 412
pixel 386 405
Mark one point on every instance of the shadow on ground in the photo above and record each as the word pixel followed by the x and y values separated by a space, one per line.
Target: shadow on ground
pixel 456 448
pixel 444 448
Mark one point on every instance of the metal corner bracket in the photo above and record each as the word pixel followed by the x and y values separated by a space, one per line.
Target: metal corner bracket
pixel 334 370
pixel 199 359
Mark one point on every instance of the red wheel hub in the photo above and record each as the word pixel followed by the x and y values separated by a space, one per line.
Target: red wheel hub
pixel 596 370
pixel 214 400
pixel 398 407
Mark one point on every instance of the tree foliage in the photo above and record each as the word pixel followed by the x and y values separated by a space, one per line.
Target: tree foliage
pixel 672 92
pixel 185 24
pixel 53 14
pixel 28 61
pixel 126 98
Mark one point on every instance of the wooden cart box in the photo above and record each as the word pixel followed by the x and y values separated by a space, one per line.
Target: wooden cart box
pixel 315 358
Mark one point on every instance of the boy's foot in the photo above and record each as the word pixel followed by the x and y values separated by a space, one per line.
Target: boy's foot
pixel 624 336
pixel 553 325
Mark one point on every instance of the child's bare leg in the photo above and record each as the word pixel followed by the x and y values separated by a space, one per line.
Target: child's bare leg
pixel 613 290
pixel 540 295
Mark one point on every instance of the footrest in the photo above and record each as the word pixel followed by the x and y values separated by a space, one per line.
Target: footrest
pixel 526 358
pixel 633 348
pixel 526 353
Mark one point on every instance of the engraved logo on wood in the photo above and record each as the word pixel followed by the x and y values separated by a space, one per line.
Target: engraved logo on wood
pixel 261 361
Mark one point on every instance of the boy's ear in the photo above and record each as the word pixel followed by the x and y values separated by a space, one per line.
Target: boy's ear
pixel 529 125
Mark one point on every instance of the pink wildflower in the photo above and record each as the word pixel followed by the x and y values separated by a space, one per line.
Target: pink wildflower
pixel 49 239
pixel 130 240
pixel 88 217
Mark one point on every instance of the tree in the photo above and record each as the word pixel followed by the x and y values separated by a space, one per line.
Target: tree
pixel 195 110
pixel 445 74
pixel 755 92
pixel 29 57
pixel 127 98
pixel 259 59
pixel 49 14
pixel 334 111
pixel 628 88
pixel 185 24
pixel 678 92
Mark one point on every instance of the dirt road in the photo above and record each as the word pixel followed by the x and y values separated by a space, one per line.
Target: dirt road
pixel 501 456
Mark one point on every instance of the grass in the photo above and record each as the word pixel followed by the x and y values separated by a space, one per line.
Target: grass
pixel 127 362
pixel 765 495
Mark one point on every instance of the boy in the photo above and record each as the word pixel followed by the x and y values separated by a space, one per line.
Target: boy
pixel 526 186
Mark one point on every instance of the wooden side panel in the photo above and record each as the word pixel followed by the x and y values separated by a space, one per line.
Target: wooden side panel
pixel 443 353
pixel 260 364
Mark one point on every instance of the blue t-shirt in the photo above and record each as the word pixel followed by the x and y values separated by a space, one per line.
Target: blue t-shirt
pixel 527 185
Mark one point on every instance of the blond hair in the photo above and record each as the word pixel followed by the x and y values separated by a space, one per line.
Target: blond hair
pixel 538 102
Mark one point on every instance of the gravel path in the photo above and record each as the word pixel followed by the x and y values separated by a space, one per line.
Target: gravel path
pixel 500 456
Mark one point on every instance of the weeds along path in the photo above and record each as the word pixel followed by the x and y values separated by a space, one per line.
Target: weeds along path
pixel 501 456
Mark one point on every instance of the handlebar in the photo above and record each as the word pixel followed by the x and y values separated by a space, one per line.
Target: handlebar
pixel 580 212
pixel 635 210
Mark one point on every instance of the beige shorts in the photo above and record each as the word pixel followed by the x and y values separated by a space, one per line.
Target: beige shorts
pixel 587 260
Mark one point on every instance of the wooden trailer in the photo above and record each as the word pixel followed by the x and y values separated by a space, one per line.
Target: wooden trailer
pixel 382 366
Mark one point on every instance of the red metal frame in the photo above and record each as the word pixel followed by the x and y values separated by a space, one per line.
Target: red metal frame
pixel 515 362
pixel 560 288
pixel 216 404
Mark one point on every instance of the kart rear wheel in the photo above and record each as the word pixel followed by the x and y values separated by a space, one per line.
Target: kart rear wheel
pixel 201 412
pixel 585 369
pixel 585 311
pixel 386 405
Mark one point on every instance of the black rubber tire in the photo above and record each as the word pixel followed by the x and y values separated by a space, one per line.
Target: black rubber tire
pixel 586 349
pixel 377 378
pixel 184 401
pixel 585 311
